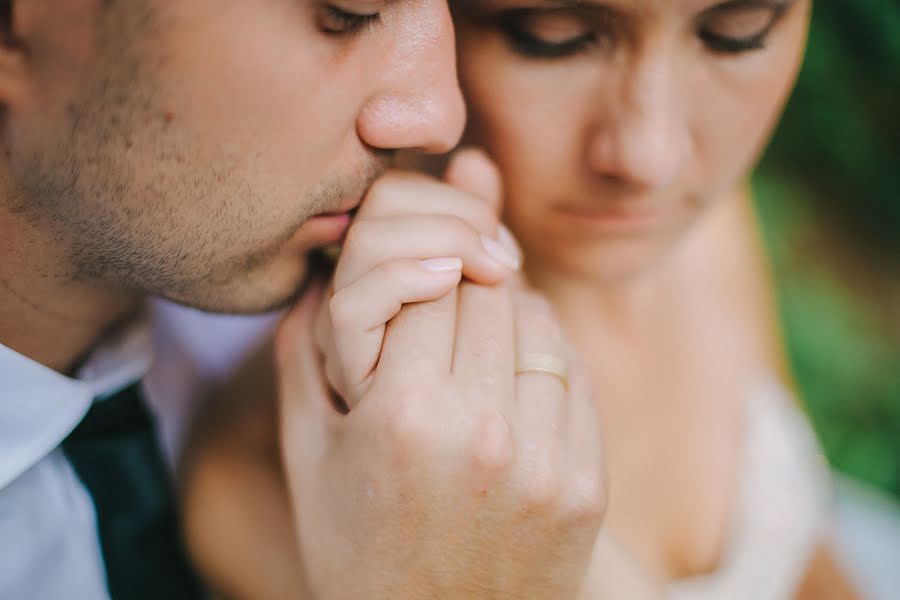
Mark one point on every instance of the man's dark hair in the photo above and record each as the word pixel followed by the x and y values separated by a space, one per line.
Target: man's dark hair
pixel 5 21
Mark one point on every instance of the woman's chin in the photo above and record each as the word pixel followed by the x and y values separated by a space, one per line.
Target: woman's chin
pixel 608 263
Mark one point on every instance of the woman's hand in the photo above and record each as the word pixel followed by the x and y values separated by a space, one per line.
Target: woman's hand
pixel 412 241
pixel 452 476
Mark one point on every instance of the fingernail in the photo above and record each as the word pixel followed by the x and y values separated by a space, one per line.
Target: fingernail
pixel 442 265
pixel 509 240
pixel 501 253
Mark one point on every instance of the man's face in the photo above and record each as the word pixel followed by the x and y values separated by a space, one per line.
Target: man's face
pixel 200 149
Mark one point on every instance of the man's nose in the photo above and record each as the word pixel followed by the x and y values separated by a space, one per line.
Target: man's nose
pixel 418 104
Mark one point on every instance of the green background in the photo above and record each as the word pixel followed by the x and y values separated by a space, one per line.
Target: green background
pixel 828 192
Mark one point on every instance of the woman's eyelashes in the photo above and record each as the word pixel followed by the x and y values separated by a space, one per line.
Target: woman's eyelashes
pixel 730 45
pixel 559 33
pixel 735 30
pixel 530 45
pixel 336 21
pixel 547 34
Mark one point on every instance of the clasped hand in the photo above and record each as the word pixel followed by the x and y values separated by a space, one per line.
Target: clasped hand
pixel 453 474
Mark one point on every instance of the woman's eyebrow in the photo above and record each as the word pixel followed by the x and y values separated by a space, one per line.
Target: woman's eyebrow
pixel 726 5
pixel 779 8
pixel 744 4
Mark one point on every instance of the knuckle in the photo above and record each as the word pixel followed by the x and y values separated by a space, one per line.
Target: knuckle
pixel 492 449
pixel 589 498
pixel 388 192
pixel 543 489
pixel 460 228
pixel 341 308
pixel 380 191
pixel 406 425
pixel 394 273
pixel 483 217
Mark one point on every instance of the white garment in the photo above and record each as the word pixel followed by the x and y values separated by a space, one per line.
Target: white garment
pixel 784 508
pixel 49 548
pixel 195 351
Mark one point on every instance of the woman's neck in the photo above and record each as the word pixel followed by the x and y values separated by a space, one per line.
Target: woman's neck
pixel 717 274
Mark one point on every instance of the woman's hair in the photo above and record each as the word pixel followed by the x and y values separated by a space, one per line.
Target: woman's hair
pixel 6 21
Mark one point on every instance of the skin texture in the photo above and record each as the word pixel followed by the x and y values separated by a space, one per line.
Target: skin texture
pixel 181 149
pixel 626 167
pixel 184 150
pixel 626 164
pixel 644 129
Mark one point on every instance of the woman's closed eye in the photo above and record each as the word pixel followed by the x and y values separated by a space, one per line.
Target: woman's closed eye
pixel 549 33
pixel 734 28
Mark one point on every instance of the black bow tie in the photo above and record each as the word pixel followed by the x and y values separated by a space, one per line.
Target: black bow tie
pixel 115 453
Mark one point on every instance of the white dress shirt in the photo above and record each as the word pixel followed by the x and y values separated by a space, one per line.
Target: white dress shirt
pixel 49 546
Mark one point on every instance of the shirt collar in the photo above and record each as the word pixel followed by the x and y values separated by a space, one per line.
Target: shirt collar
pixel 39 407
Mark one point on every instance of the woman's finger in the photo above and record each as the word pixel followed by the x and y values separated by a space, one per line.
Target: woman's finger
pixel 401 193
pixel 375 241
pixel 542 379
pixel 361 311
pixel 484 353
pixel 418 346
pixel 472 171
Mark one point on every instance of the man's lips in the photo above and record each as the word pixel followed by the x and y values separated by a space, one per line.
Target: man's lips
pixel 351 211
pixel 326 229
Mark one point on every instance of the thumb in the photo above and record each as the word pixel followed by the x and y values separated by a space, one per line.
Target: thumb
pixel 472 171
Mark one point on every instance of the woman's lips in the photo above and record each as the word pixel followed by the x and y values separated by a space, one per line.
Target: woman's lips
pixel 617 218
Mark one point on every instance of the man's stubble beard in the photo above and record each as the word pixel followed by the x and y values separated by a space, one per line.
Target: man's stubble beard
pixel 123 231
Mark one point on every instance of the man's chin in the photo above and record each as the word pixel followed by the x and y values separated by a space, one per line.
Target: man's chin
pixel 257 295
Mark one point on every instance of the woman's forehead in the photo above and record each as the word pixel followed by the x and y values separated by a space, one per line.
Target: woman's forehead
pixel 635 7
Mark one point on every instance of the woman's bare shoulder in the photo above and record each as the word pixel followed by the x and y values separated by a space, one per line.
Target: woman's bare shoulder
pixel 238 525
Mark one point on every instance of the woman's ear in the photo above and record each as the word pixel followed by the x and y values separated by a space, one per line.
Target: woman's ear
pixel 13 54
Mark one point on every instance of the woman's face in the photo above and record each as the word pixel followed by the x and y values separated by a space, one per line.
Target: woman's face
pixel 618 122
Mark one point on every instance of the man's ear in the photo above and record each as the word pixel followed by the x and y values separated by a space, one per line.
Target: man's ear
pixel 13 53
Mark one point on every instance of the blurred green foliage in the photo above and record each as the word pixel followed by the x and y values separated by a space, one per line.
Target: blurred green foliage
pixel 828 192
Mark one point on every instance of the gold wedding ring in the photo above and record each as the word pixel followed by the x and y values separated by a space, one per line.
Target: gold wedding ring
pixel 548 364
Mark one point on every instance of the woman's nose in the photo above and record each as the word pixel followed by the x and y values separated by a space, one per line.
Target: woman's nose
pixel 643 138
